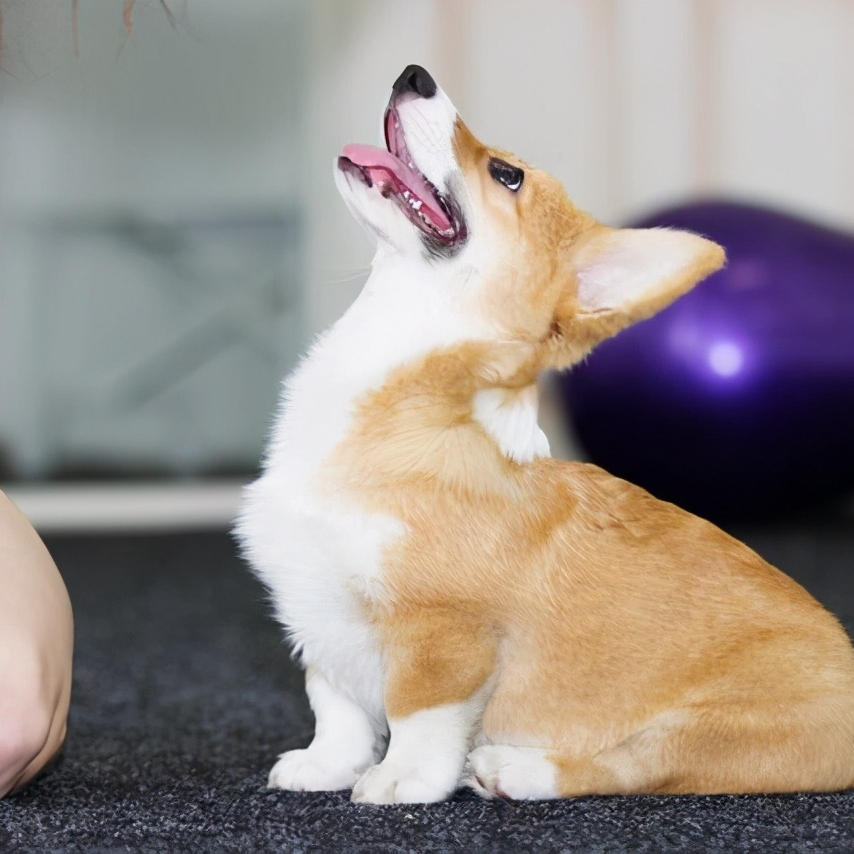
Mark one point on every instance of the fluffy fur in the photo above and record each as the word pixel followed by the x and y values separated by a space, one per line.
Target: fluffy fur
pixel 470 610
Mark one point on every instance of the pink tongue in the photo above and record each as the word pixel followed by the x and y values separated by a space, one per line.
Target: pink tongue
pixel 381 163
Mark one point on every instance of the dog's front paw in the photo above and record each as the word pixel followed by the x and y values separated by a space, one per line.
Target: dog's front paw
pixel 388 783
pixel 310 771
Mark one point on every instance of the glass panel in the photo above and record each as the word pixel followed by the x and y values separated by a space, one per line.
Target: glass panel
pixel 150 221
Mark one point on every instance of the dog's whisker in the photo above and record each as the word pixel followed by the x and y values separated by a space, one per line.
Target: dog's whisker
pixel 343 277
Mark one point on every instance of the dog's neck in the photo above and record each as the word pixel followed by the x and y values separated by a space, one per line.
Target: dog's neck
pixel 399 317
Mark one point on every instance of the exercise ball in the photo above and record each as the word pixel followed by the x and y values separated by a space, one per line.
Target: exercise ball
pixel 737 401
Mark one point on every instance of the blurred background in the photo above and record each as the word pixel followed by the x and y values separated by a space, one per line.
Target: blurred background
pixel 170 235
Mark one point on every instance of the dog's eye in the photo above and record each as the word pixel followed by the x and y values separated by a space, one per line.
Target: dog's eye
pixel 504 173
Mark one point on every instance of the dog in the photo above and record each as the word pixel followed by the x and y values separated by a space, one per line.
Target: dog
pixel 469 610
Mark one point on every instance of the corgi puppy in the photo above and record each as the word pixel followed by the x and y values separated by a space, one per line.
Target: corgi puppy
pixel 469 610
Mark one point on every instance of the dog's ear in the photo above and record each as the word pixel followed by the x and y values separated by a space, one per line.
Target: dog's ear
pixel 622 276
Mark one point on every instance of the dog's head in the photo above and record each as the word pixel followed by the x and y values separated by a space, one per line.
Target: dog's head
pixel 504 238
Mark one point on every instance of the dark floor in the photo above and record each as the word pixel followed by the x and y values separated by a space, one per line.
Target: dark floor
pixel 184 695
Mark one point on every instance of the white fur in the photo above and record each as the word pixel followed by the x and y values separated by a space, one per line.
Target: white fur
pixel 425 758
pixel 320 556
pixel 520 773
pixel 344 745
pixel 511 419
pixel 433 120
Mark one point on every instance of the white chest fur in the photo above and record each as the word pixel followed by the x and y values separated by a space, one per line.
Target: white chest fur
pixel 320 562
pixel 319 556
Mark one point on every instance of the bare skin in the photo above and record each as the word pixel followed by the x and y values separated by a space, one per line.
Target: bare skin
pixel 36 641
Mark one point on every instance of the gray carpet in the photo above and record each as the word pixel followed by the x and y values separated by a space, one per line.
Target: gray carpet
pixel 183 695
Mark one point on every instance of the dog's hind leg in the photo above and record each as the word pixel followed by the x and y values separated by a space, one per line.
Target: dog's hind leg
pixel 533 773
pixel 635 764
pixel 705 749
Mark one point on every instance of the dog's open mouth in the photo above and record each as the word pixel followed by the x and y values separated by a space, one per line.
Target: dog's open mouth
pixel 397 178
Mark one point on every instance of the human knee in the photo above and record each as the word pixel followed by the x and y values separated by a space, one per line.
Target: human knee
pixel 25 733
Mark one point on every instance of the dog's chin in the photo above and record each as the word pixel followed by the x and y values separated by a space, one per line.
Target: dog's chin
pixel 380 217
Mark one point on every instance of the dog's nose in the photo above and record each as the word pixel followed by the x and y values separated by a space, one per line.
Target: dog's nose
pixel 414 79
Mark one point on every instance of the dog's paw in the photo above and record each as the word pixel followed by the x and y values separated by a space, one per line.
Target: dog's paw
pixel 388 783
pixel 309 771
pixel 518 773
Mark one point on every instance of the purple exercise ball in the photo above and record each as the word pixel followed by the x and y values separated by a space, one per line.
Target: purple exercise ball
pixel 737 401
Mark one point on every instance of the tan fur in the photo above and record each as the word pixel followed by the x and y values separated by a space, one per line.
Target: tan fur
pixel 648 650
pixel 435 656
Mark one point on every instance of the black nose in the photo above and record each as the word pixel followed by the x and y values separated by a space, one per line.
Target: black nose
pixel 414 79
